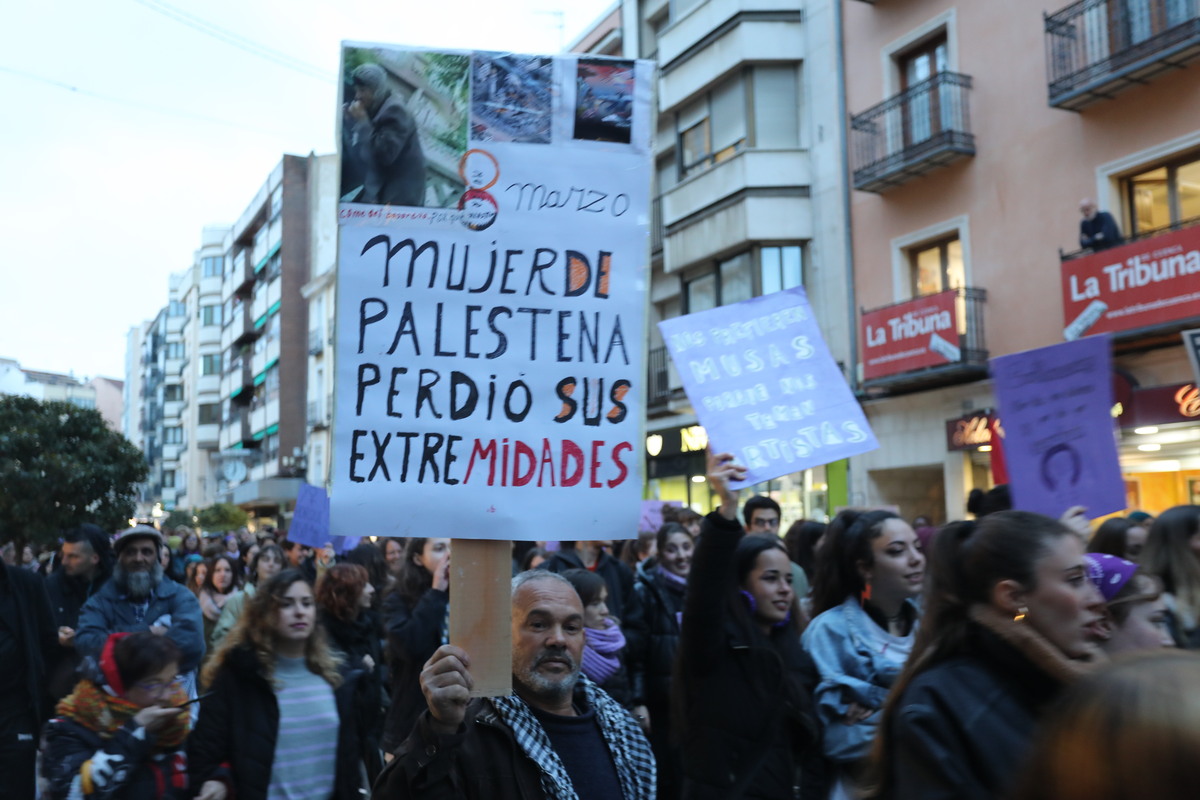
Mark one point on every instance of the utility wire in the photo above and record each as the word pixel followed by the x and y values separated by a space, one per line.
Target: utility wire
pixel 237 40
pixel 133 103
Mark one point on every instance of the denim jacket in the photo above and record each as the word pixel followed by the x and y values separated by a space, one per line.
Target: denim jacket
pixel 858 662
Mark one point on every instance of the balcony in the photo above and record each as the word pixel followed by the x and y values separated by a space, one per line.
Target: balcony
pixel 318 415
pixel 316 342
pixel 244 330
pixel 924 342
pixel 664 390
pixel 1142 290
pixel 235 429
pixel 923 128
pixel 1096 48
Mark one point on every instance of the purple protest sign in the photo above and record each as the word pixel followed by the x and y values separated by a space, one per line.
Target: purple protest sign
pixel 1059 438
pixel 652 514
pixel 765 387
pixel 310 519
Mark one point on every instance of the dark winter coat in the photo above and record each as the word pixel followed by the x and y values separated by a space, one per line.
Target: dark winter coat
pixel 389 146
pixel 33 622
pixel 354 640
pixel 234 740
pixel 662 602
pixel 108 611
pixel 67 596
pixel 962 727
pixel 124 767
pixel 623 603
pixel 1100 232
pixel 747 701
pixel 412 636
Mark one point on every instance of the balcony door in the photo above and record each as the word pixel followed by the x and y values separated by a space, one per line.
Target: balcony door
pixel 925 110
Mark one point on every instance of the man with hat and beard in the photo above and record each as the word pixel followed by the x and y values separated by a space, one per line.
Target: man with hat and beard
pixel 139 597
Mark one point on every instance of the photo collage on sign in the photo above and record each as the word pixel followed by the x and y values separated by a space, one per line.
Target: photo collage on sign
pixel 428 109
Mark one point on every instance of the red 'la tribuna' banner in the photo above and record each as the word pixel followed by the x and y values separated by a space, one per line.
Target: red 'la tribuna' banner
pixel 918 333
pixel 1137 285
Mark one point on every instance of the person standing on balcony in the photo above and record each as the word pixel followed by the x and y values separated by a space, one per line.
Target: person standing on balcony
pixel 1097 230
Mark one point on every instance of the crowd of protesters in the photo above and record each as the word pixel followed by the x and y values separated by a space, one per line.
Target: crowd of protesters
pixel 712 658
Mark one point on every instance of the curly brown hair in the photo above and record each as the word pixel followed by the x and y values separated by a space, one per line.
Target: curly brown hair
pixel 340 589
pixel 257 630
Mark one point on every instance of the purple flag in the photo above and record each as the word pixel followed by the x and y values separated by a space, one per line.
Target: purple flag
pixel 1059 434
pixel 310 520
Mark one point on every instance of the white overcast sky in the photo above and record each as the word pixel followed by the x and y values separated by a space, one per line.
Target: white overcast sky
pixel 105 186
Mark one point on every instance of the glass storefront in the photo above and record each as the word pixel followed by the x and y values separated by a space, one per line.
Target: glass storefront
pixel 675 471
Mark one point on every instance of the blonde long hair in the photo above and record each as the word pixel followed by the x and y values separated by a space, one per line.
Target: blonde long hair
pixel 257 629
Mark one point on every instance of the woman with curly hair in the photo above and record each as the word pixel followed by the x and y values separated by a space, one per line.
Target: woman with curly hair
pixel 280 719
pixel 120 732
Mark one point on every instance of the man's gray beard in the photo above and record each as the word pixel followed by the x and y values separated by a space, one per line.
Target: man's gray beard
pixel 551 690
pixel 138 585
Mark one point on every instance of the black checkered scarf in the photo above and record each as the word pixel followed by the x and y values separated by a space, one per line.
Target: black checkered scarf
pixel 628 746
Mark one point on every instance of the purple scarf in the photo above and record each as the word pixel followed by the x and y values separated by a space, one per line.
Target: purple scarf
pixel 600 651
pixel 671 578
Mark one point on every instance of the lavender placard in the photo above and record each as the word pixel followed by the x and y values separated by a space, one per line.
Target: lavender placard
pixel 765 386
pixel 1059 439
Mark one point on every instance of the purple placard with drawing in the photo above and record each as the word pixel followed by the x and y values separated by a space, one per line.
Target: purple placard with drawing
pixel 652 514
pixel 765 386
pixel 1059 437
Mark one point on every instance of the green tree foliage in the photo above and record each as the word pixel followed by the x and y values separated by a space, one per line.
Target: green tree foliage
pixel 180 516
pixel 60 466
pixel 222 517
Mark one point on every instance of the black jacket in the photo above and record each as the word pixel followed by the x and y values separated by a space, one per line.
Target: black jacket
pixel 33 624
pixel 67 596
pixel 354 640
pixel 963 727
pixel 747 701
pixel 412 636
pixel 1100 232
pixel 235 737
pixel 481 762
pixel 623 603
pixel 123 767
pixel 662 604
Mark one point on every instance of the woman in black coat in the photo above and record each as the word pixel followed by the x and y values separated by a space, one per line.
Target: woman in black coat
pixel 662 590
pixel 415 617
pixel 743 682
pixel 275 661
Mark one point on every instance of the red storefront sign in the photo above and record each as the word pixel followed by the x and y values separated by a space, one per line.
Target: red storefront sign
pixel 1162 405
pixel 916 334
pixel 1136 285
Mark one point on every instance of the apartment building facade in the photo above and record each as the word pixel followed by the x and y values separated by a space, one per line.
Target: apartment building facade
pixel 976 131
pixel 748 195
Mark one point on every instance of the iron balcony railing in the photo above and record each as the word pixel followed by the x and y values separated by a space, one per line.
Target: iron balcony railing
pixel 1095 48
pixel 925 127
pixel 658 376
pixel 972 344
pixel 1137 237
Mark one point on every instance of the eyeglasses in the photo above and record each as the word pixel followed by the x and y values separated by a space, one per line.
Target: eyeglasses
pixel 158 687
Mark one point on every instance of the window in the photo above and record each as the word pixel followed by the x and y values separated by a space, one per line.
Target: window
pixel 210 266
pixel 270 448
pixel 210 364
pixel 168 479
pixel 925 113
pixel 209 413
pixel 713 128
pixel 210 315
pixel 176 350
pixel 172 392
pixel 173 435
pixel 937 266
pixel 272 382
pixel 276 202
pixel 781 268
pixel 1165 195
pixel 731 282
pixel 176 309
pixel 776 106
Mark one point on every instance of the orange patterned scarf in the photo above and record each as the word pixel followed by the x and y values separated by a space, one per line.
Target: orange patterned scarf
pixel 98 711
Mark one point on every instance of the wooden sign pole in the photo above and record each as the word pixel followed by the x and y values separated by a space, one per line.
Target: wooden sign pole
pixel 481 611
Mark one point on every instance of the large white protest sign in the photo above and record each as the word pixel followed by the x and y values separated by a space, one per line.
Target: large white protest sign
pixel 491 289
